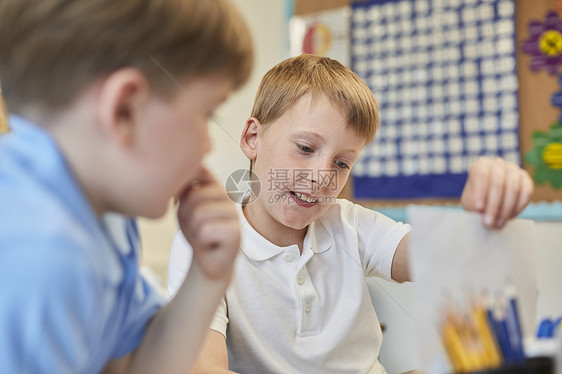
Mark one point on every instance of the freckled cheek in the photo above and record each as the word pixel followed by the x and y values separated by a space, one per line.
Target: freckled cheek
pixel 293 161
pixel 342 180
pixel 270 165
pixel 335 186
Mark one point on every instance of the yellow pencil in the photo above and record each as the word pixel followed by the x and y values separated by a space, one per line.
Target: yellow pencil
pixel 490 347
pixel 471 345
pixel 454 348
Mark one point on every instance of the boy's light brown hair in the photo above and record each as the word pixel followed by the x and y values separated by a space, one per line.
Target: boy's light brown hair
pixel 288 81
pixel 51 50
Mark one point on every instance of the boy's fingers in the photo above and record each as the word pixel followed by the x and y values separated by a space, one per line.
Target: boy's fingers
pixel 495 194
pixel 208 213
pixel 216 210
pixel 219 233
pixel 527 188
pixel 475 194
pixel 217 247
pixel 498 189
pixel 208 192
pixel 203 178
pixel 510 200
pixel 209 220
pixel 191 198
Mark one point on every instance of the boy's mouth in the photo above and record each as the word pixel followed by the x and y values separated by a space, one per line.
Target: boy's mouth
pixel 304 198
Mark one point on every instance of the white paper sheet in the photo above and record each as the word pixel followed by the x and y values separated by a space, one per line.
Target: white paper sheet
pixel 451 252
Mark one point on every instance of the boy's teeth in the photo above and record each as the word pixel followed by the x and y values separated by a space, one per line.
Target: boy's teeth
pixel 308 199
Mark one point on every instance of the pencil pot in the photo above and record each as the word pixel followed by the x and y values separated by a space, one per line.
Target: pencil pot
pixel 534 365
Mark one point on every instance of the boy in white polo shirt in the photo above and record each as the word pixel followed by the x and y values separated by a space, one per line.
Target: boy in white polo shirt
pixel 299 301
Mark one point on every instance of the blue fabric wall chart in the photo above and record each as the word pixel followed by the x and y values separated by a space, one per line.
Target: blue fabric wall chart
pixel 444 73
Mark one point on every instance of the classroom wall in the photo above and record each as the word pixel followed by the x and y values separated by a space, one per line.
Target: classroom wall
pixel 392 301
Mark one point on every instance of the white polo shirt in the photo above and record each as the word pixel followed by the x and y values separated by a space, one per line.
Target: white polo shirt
pixel 312 313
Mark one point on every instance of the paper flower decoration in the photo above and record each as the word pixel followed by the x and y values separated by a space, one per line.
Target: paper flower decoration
pixel 545 43
pixel 546 156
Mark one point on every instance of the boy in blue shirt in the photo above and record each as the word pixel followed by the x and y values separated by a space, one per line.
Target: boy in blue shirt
pixel 299 301
pixel 109 104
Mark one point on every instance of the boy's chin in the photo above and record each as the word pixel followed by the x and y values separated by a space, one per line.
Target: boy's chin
pixel 154 212
pixel 298 222
pixel 298 225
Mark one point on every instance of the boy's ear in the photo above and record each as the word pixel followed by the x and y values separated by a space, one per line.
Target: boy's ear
pixel 121 98
pixel 249 139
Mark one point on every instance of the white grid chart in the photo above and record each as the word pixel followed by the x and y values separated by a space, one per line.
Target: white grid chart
pixel 445 77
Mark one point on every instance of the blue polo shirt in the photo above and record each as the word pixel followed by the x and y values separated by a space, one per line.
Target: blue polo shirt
pixel 71 296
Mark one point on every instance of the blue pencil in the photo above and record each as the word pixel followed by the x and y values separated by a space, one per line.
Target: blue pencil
pixel 514 325
pixel 499 326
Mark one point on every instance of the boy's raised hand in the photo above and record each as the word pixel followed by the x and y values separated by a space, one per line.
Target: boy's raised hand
pixel 498 189
pixel 210 223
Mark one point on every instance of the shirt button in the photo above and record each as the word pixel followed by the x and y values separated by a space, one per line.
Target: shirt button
pixel 300 280
pixel 307 308
pixel 287 257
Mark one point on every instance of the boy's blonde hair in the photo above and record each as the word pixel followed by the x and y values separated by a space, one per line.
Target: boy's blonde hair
pixel 51 50
pixel 288 81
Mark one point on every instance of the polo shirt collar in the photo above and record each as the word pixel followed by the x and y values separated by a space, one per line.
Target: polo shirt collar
pixel 318 237
pixel 258 248
pixel 123 232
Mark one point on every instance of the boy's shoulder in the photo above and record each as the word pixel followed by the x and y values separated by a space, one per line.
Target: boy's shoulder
pixel 47 255
pixel 347 216
pixel 42 251
pixel 53 287
pixel 37 187
pixel 43 214
pixel 39 236
pixel 345 211
pixel 31 207
pixel 341 217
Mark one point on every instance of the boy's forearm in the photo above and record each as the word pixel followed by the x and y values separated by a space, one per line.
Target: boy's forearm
pixel 175 335
pixel 213 358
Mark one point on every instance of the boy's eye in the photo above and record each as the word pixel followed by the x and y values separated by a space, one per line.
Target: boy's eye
pixel 306 149
pixel 341 165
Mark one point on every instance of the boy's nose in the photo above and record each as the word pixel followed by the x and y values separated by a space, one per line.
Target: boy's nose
pixel 322 166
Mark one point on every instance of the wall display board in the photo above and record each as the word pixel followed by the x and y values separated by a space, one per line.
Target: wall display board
pixel 444 73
